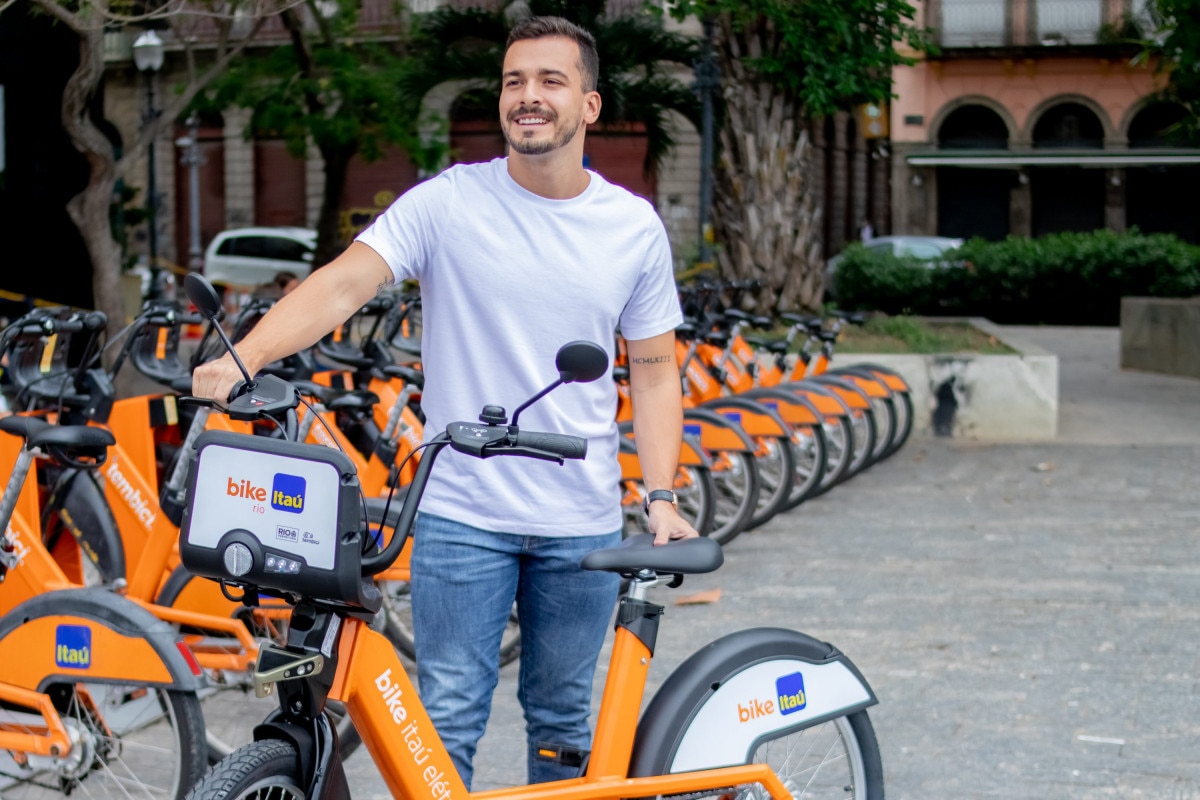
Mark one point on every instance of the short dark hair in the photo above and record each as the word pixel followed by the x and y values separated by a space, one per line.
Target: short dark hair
pixel 539 27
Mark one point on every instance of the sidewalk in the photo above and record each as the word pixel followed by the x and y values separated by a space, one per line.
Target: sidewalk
pixel 1027 614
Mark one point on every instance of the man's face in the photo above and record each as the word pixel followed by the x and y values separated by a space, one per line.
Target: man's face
pixel 542 102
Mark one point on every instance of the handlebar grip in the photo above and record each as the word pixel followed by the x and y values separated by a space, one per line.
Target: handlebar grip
pixel 559 443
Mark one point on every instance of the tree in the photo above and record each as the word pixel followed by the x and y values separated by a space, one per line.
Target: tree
pixel 1174 45
pixel 89 20
pixel 333 87
pixel 637 60
pixel 784 63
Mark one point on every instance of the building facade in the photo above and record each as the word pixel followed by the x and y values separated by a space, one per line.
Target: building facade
pixel 1037 117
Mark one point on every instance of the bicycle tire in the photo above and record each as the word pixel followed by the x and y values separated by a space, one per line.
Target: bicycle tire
pixel 831 756
pixel 264 770
pixel 811 457
pixel 129 735
pixel 735 474
pixel 839 443
pixel 695 491
pixel 776 464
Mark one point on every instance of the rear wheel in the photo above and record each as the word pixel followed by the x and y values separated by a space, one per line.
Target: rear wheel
pixel 776 471
pixel 266 770
pixel 126 741
pixel 809 452
pixel 736 476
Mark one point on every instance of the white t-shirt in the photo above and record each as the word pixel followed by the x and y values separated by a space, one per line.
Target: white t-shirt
pixel 507 277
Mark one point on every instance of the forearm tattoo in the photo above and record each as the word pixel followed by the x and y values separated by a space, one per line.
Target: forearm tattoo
pixel 383 284
pixel 651 359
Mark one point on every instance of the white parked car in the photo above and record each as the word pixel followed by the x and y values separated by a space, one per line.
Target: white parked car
pixel 926 248
pixel 254 256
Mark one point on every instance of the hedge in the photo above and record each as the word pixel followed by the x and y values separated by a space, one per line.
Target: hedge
pixel 1062 279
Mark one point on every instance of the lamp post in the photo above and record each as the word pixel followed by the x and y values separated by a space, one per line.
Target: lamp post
pixel 193 159
pixel 708 81
pixel 148 57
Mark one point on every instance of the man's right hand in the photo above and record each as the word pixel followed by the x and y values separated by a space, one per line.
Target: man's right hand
pixel 216 379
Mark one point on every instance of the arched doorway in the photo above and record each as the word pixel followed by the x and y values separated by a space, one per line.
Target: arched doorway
pixel 973 202
pixel 1162 198
pixel 1067 198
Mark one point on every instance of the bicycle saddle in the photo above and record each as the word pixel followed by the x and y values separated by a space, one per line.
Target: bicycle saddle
pixel 637 553
pixel 66 443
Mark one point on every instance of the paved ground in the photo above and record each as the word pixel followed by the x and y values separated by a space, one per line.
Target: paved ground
pixel 1027 614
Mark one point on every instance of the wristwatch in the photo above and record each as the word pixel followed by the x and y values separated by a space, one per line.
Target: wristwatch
pixel 659 494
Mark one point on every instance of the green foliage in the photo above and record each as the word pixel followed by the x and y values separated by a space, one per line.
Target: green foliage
pixel 828 56
pixel 1065 279
pixel 1174 44
pixel 882 281
pixel 340 91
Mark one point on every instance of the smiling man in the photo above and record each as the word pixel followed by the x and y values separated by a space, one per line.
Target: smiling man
pixel 515 258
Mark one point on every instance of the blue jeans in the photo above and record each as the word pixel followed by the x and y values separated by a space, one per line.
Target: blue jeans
pixel 464 581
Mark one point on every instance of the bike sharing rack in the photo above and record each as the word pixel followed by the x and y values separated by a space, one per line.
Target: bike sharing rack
pixel 1008 397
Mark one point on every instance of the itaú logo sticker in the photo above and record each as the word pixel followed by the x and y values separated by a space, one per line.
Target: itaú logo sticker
pixel 73 646
pixel 790 691
pixel 287 493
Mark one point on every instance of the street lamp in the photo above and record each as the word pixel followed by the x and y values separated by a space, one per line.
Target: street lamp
pixel 148 58
pixel 192 158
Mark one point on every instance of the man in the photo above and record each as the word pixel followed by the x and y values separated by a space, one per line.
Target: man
pixel 515 258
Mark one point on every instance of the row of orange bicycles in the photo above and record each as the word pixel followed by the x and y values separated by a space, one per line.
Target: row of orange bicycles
pixel 120 666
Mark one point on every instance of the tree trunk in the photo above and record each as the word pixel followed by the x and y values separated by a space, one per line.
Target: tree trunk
pixel 329 229
pixel 765 213
pixel 89 209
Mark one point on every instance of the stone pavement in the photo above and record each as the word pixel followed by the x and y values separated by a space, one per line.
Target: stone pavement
pixel 1027 614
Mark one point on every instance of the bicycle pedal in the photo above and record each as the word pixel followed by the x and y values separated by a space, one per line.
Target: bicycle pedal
pixel 562 754
pixel 276 664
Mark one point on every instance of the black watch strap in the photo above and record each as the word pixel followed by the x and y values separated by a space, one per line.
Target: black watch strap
pixel 659 494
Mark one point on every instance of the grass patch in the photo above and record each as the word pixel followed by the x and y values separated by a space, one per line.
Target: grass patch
pixel 883 334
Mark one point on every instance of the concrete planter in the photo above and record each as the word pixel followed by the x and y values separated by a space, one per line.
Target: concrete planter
pixel 1012 397
pixel 1160 334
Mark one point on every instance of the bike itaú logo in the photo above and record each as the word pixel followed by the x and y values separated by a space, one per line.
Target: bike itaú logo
pixel 439 788
pixel 141 506
pixel 286 494
pixel 789 698
pixel 73 646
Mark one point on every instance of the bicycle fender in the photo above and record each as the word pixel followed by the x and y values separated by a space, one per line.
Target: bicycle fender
pixel 755 418
pixel 894 380
pixel 316 746
pixel 795 408
pixel 716 432
pixel 739 690
pixel 691 454
pixel 92 635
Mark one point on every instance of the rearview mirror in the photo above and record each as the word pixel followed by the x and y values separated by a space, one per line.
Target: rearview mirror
pixel 203 296
pixel 581 362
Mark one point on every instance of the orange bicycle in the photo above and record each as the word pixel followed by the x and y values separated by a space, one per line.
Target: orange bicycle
pixel 762 712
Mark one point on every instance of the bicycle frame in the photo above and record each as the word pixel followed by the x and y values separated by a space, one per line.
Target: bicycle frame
pixel 383 703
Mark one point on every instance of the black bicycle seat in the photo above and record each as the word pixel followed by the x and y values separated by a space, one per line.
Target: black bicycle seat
pixel 637 553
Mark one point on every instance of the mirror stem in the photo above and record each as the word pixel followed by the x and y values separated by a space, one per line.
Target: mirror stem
pixel 533 400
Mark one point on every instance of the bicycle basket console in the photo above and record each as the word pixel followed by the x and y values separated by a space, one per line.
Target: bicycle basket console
pixel 275 515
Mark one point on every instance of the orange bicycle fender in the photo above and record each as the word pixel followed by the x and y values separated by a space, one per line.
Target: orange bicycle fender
pixel 755 418
pixel 75 635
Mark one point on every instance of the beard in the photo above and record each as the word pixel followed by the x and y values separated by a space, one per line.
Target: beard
pixel 537 147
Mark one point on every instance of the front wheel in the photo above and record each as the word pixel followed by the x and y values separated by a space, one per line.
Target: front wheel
pixel 126 741
pixel 266 770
